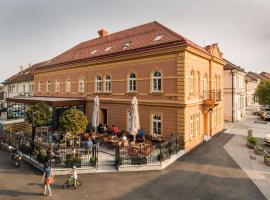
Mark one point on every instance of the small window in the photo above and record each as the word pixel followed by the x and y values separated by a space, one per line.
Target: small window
pixel 81 85
pixel 48 86
pixel 57 86
pixel 108 83
pixel 93 52
pixel 68 86
pixel 191 126
pixel 40 86
pixel 108 48
pixel 98 84
pixel 156 123
pixel 132 83
pixel 191 83
pixel 197 123
pixel 156 81
pixel 157 38
pixel 126 45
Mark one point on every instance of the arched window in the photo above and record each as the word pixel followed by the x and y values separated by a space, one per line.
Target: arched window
pixel 156 81
pixel 198 82
pixel 57 86
pixel 191 83
pixel 108 83
pixel 98 84
pixel 132 83
pixel 81 85
pixel 205 85
pixel 68 86
pixel 48 86
pixel 215 83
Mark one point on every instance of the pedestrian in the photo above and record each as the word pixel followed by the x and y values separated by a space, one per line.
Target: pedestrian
pixel 47 179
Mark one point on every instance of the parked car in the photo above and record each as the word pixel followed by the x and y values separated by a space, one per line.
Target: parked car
pixel 267 139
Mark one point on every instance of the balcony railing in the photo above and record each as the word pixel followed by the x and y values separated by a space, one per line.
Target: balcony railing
pixel 211 96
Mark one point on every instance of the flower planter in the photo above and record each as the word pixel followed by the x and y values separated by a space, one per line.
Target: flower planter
pixel 250 145
pixel 259 150
pixel 267 160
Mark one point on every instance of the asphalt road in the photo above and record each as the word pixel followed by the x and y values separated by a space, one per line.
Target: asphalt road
pixel 208 172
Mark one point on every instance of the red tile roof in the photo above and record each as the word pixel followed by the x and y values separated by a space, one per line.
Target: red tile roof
pixel 138 38
pixel 24 75
pixel 229 66
pixel 265 74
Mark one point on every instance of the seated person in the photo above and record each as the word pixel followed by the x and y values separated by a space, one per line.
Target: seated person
pixel 115 130
pixel 89 143
pixel 154 136
pixel 141 136
pixel 99 127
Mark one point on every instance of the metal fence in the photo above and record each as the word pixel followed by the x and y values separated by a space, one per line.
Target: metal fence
pixel 148 154
pixel 55 156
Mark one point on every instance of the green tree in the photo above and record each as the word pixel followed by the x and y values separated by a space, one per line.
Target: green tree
pixel 41 112
pixel 73 121
pixel 263 93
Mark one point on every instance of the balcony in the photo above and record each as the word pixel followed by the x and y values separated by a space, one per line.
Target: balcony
pixel 211 97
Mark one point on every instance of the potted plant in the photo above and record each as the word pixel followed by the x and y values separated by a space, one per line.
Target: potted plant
pixel 77 161
pixel 267 159
pixel 259 150
pixel 251 142
pixel 118 161
pixel 93 161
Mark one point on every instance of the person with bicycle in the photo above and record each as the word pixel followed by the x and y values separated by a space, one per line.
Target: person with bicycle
pixel 74 176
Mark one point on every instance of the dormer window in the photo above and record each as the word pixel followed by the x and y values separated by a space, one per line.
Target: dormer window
pixel 93 52
pixel 126 45
pixel 157 38
pixel 108 48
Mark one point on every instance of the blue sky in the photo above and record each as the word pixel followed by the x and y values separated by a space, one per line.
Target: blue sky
pixel 32 31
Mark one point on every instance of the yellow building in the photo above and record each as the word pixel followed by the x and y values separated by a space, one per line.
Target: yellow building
pixel 178 83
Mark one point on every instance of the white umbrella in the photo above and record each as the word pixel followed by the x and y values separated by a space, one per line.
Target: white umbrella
pixel 95 117
pixel 135 121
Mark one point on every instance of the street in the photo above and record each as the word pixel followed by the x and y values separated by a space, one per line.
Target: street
pixel 208 172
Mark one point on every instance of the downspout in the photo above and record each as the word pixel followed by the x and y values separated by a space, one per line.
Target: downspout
pixel 232 96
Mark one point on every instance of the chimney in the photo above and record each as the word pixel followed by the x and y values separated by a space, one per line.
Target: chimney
pixel 21 68
pixel 103 32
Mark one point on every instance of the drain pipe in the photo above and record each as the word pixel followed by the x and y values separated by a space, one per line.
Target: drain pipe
pixel 232 95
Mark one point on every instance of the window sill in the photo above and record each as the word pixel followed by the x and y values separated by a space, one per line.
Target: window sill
pixel 107 93
pixel 157 93
pixel 131 93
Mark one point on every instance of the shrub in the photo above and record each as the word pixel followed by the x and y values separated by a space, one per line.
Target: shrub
pixel 252 140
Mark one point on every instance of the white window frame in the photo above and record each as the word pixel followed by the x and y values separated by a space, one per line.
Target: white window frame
pixel 108 83
pixel 197 123
pixel 132 83
pixel 156 124
pixel 48 88
pixel 39 86
pixel 68 85
pixel 98 83
pixel 81 85
pixel 191 126
pixel 57 86
pixel 157 81
pixel 191 83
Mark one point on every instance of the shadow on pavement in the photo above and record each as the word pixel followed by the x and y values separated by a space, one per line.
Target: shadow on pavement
pixel 16 193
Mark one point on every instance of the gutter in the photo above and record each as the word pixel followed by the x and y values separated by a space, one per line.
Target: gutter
pixel 233 111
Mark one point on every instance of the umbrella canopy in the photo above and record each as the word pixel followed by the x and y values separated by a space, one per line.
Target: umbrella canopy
pixel 95 117
pixel 135 121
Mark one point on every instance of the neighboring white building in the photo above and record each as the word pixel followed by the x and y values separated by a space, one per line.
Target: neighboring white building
pixel 252 82
pixel 20 84
pixel 234 92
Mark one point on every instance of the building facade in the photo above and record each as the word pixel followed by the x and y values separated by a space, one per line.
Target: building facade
pixel 179 85
pixel 20 84
pixel 234 92
pixel 251 85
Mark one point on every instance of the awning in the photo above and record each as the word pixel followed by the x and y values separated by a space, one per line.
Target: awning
pixel 51 101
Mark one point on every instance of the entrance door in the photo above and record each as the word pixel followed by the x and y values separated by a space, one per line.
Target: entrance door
pixel 103 119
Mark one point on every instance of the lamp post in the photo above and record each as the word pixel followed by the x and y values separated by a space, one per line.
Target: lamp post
pixel 34 125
